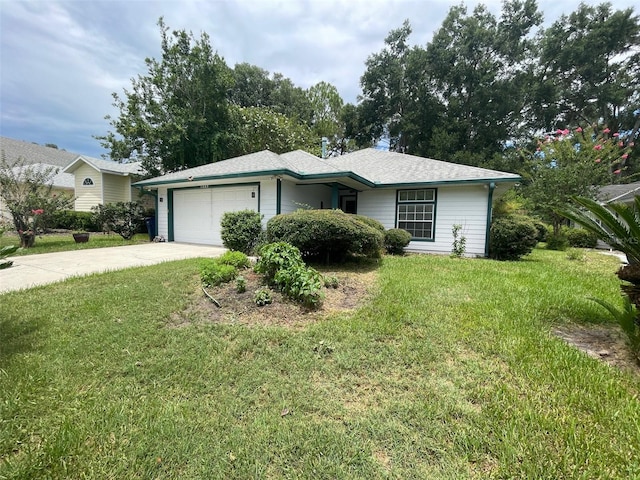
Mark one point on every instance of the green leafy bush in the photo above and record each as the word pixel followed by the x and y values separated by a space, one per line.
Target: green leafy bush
pixel 331 281
pixel 263 297
pixel 459 245
pixel 241 230
pixel 542 229
pixel 301 284
pixel 395 239
pixel 72 220
pixel 582 238
pixel 329 235
pixel 241 284
pixel 123 218
pixel 237 259
pixel 512 237
pixel 214 273
pixel 276 256
pixel 372 222
pixel 558 241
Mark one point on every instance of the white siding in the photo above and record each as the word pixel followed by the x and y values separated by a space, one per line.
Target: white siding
pixel 464 205
pixel 268 198
pixel 87 196
pixel 299 196
pixel 162 214
pixel 379 204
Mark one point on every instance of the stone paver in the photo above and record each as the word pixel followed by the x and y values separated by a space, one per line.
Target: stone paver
pixel 33 270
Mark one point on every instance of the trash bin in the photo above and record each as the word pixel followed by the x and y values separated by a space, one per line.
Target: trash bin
pixel 151 227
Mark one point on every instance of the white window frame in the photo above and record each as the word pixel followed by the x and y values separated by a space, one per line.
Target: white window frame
pixel 416 213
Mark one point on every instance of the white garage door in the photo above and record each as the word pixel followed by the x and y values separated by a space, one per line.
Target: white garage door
pixel 197 212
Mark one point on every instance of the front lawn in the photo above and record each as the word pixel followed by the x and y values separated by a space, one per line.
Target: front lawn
pixel 62 242
pixel 449 371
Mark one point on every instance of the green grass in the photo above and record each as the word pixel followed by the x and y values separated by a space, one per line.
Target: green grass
pixel 62 242
pixel 450 372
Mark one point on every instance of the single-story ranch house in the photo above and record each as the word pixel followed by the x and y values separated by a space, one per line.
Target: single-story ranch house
pixel 423 196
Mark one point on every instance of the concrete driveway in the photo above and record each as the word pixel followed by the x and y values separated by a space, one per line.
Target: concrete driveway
pixel 33 270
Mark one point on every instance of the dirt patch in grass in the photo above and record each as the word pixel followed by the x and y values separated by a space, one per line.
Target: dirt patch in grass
pixel 240 308
pixel 603 343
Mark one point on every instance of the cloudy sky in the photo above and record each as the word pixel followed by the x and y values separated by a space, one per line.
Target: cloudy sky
pixel 61 60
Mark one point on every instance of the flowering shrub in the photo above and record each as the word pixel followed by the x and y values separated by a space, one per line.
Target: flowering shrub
pixel 569 163
pixel 28 195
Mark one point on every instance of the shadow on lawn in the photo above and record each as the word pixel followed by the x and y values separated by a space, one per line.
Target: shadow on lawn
pixel 18 335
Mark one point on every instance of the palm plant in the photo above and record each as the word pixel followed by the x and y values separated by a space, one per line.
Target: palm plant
pixel 618 225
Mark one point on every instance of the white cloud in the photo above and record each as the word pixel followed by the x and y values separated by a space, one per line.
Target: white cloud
pixel 61 60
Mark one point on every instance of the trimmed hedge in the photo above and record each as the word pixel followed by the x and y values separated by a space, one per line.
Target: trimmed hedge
pixel 329 235
pixel 395 239
pixel 72 220
pixel 512 237
pixel 241 230
pixel 581 238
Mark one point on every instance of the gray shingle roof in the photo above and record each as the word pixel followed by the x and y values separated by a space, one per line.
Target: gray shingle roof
pixel 371 166
pixel 107 166
pixel 57 178
pixel 34 153
pixel 619 193
pixel 392 168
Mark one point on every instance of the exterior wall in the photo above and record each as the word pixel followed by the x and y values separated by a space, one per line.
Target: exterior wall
pixel 162 214
pixel 87 196
pixel 268 200
pixel 295 196
pixel 115 188
pixel 464 205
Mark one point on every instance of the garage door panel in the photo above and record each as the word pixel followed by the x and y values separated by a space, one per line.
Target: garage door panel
pixel 198 212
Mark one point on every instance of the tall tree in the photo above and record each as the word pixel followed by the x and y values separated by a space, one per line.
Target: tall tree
pixel 479 65
pixel 177 115
pixel 384 89
pixel 589 71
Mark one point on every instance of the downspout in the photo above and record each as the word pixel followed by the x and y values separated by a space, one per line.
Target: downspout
pixel 278 196
pixel 492 187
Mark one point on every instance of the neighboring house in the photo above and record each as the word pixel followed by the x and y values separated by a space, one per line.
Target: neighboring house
pixel 89 180
pixel 423 196
pixel 619 193
pixel 102 181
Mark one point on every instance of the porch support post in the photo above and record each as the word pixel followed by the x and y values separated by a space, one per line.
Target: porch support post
pixel 335 196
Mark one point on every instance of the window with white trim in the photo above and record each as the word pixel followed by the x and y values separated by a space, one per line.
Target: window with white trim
pixel 416 211
pixel 87 182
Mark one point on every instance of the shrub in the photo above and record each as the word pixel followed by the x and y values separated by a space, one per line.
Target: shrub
pixel 331 281
pixel 276 256
pixel 558 241
pixel 372 222
pixel 214 273
pixel 263 297
pixel 241 285
pixel 330 235
pixel 123 218
pixel 236 259
pixel 582 238
pixel 511 237
pixel 241 230
pixel 72 220
pixel 395 239
pixel 542 229
pixel 301 284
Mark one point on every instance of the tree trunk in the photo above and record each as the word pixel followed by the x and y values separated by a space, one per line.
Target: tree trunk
pixel 27 240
